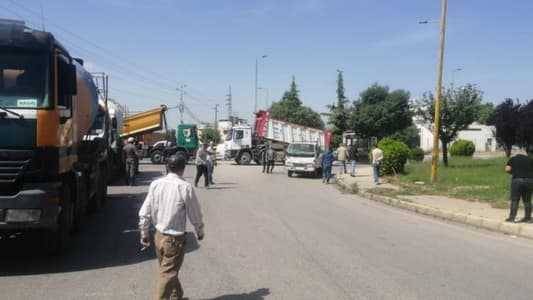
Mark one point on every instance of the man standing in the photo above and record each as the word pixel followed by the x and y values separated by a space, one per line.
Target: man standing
pixel 521 169
pixel 342 156
pixel 327 164
pixel 353 158
pixel 377 159
pixel 211 162
pixel 201 166
pixel 169 202
pixel 131 161
pixel 271 157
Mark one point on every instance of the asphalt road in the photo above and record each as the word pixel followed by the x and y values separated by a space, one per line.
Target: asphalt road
pixel 273 237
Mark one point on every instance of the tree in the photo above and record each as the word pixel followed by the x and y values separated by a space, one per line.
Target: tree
pixel 409 136
pixel 525 128
pixel 380 113
pixel 290 109
pixel 485 112
pixel 210 135
pixel 506 119
pixel 459 108
pixel 339 114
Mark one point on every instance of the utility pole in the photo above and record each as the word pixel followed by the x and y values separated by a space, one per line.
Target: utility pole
pixel 229 106
pixel 216 116
pixel 181 104
pixel 438 93
pixel 256 80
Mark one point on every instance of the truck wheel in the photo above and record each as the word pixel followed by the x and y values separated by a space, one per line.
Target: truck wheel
pixel 157 157
pixel 245 159
pixel 289 173
pixel 57 241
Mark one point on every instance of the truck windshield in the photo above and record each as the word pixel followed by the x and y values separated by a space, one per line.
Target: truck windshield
pixel 23 80
pixel 301 150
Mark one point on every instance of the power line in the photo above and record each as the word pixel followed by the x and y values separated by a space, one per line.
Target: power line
pixel 104 50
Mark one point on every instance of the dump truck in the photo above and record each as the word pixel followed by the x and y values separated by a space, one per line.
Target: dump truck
pixel 51 173
pixel 246 144
pixel 152 120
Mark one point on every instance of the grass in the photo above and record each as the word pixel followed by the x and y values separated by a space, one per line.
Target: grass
pixel 465 178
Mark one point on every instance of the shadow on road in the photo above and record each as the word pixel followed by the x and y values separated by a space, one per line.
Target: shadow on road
pixel 107 239
pixel 255 295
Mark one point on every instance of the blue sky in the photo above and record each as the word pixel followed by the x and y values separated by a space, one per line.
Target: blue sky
pixel 148 47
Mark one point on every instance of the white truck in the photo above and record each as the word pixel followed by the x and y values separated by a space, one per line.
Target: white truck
pixel 304 159
pixel 245 143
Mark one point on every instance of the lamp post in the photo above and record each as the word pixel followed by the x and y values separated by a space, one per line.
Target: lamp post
pixel 453 75
pixel 256 80
pixel 438 93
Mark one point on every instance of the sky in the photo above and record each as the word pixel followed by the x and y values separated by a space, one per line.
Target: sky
pixel 149 48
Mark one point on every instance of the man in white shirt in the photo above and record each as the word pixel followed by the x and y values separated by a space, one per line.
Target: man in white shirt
pixel 211 162
pixel 169 202
pixel 201 166
pixel 377 158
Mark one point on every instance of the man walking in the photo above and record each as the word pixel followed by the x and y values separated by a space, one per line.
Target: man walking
pixel 271 157
pixel 377 159
pixel 342 156
pixel 521 169
pixel 211 162
pixel 201 166
pixel 131 161
pixel 327 164
pixel 169 202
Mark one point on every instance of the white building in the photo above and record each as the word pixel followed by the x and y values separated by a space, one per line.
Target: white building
pixel 481 135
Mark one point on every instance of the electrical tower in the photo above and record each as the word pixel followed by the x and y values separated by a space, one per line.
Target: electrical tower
pixel 181 104
pixel 216 116
pixel 229 106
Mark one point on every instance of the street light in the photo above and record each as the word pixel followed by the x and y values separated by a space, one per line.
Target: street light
pixel 256 74
pixel 438 93
pixel 453 75
pixel 267 99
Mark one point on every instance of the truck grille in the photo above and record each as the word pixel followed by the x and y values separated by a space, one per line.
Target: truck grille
pixel 13 166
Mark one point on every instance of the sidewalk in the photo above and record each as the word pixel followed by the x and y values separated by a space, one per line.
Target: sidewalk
pixel 476 214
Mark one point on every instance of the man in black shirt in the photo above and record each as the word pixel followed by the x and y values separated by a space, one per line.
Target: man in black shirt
pixel 521 168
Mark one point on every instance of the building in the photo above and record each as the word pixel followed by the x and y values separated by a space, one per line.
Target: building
pixel 483 136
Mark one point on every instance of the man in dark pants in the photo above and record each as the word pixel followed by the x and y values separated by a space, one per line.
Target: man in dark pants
pixel 201 166
pixel 521 168
pixel 130 155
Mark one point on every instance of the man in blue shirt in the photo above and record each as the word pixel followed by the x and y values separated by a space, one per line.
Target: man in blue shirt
pixel 327 163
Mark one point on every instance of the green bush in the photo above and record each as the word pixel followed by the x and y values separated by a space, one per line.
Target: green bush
pixel 395 156
pixel 462 148
pixel 416 154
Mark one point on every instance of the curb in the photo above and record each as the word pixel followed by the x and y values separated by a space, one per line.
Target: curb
pixel 479 222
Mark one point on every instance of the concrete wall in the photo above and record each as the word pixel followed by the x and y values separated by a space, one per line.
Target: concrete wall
pixel 481 135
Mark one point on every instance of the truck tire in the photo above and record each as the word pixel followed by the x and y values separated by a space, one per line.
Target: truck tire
pixel 157 157
pixel 57 240
pixel 245 159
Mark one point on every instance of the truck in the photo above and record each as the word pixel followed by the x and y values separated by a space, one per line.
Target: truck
pixel 145 123
pixel 245 144
pixel 186 144
pixel 51 171
pixel 304 159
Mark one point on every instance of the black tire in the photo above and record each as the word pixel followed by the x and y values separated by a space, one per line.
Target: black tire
pixel 289 173
pixel 58 240
pixel 245 159
pixel 157 157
